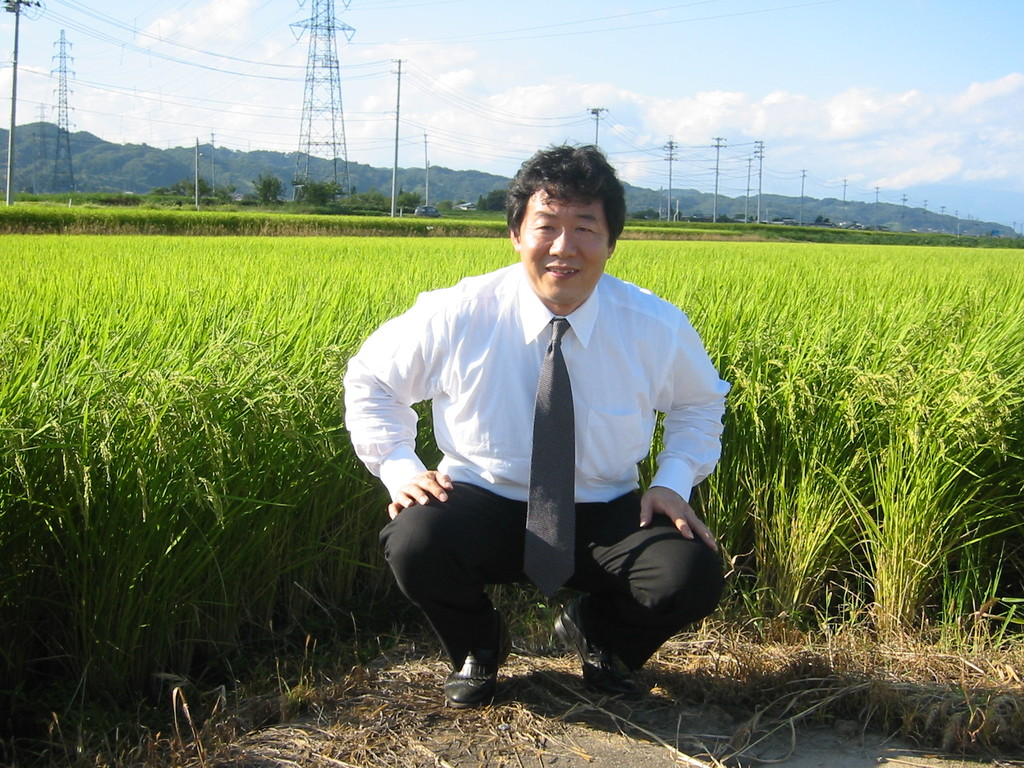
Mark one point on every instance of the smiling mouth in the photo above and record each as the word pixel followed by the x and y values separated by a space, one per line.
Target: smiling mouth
pixel 562 271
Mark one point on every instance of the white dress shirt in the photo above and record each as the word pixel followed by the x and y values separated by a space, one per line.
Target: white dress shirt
pixel 475 349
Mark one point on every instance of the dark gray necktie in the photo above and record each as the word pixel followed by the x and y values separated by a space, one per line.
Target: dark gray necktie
pixel 548 559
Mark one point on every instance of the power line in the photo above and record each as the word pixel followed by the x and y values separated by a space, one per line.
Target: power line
pixel 159 39
pixel 577 26
pixel 157 54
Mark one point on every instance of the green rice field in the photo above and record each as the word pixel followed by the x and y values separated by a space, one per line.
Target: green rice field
pixel 175 479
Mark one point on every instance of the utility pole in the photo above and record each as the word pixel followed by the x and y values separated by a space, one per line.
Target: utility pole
pixel 197 174
pixel 426 173
pixel 14 6
pixel 803 177
pixel 394 167
pixel 746 200
pixel 63 174
pixel 759 152
pixel 38 149
pixel 671 149
pixel 718 152
pixel 323 120
pixel 596 112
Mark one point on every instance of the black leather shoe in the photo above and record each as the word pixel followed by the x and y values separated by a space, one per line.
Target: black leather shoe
pixel 603 671
pixel 477 681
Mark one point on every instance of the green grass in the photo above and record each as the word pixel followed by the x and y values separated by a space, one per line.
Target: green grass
pixel 874 422
pixel 103 215
pixel 175 481
pixel 37 218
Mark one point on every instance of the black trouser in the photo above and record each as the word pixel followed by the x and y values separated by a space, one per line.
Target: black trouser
pixel 643 584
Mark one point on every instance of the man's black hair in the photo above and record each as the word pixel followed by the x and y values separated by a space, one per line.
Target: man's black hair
pixel 569 175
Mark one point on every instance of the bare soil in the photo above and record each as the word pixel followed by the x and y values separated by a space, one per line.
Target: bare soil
pixel 390 713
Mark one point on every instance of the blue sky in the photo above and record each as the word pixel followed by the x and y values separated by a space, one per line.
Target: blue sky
pixel 921 100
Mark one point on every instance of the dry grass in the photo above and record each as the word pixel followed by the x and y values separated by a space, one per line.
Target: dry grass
pixel 955 702
pixel 390 714
pixel 717 698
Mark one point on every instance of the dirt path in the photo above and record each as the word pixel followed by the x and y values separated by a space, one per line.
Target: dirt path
pixel 390 714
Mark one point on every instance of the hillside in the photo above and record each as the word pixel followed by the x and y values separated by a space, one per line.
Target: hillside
pixel 102 166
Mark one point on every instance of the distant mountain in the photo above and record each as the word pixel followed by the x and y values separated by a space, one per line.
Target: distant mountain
pixel 101 166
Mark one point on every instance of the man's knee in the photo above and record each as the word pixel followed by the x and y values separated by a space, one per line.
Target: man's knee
pixel 412 543
pixel 687 584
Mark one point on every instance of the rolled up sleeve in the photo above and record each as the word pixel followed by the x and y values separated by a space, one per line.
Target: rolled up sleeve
pixel 694 406
pixel 383 380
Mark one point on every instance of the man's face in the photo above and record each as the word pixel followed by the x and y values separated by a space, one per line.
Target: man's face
pixel 563 247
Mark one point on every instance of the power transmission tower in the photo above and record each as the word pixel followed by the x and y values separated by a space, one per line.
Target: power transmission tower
pixel 63 175
pixel 323 121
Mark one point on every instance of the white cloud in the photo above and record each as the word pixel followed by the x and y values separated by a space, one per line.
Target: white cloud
pixel 781 114
pixel 892 140
pixel 981 94
pixel 695 119
pixel 217 21
pixel 861 112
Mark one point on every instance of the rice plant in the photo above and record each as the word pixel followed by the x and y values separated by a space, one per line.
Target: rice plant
pixel 873 437
pixel 175 479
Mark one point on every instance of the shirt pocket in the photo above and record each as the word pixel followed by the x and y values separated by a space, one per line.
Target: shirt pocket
pixel 611 443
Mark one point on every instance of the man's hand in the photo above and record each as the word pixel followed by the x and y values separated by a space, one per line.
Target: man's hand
pixel 420 490
pixel 661 500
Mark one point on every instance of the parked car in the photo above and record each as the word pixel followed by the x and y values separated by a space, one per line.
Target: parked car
pixel 427 210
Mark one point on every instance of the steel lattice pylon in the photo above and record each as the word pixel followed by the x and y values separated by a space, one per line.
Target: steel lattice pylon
pixel 323 122
pixel 63 175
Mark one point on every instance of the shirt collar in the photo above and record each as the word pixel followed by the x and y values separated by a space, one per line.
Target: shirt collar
pixel 535 316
